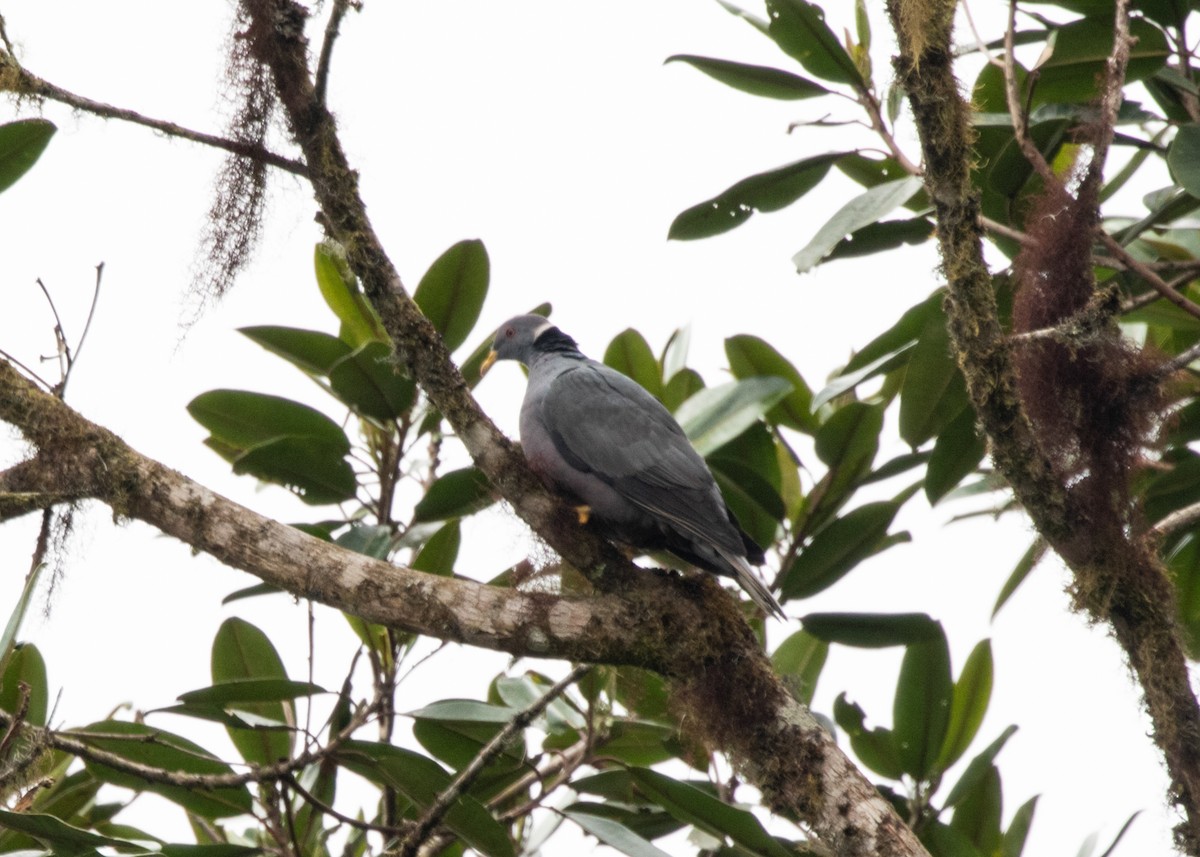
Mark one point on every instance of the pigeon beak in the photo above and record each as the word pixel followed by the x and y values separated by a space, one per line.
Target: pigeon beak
pixel 487 362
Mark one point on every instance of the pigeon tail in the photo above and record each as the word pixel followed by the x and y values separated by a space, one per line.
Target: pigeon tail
pixel 753 587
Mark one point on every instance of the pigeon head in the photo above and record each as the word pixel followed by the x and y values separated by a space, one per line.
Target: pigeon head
pixel 524 337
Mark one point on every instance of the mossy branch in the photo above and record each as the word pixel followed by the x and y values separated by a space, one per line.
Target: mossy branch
pixel 1117 580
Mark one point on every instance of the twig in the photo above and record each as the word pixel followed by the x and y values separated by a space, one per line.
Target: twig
pixel 979 42
pixel 340 7
pixel 256 773
pixel 30 84
pixel 1114 88
pixel 1004 231
pixel 871 104
pixel 1178 519
pixel 491 749
pixel 328 810
pixel 1146 273
pixel 1015 108
pixel 87 325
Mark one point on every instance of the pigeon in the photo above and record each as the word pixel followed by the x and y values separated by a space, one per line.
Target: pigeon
pixel 599 437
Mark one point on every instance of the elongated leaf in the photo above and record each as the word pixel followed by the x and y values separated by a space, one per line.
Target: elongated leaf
pixel 866 208
pixel 934 392
pixel 25 664
pixel 1082 48
pixel 614 834
pixel 690 804
pixel 311 350
pixel 848 379
pixel 339 288
pixel 749 356
pixel 1027 563
pixel 21 144
pixel 242 419
pixel 317 471
pixel 957 451
pixel 876 748
pixel 630 354
pixel 799 28
pixel 921 712
pixel 437 555
pixel 452 292
pixel 62 838
pixel 421 780
pixel 880 236
pixel 972 693
pixel 232 691
pixel 716 415
pixel 769 191
pixel 978 768
pixel 799 661
pixel 871 630
pixel 837 548
pixel 755 79
pixel 1184 158
pixel 978 817
pixel 1018 830
pixel 455 495
pixel 241 652
pixel 367 382
pixel 156 748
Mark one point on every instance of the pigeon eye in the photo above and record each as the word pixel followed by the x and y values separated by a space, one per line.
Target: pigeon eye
pixel 509 333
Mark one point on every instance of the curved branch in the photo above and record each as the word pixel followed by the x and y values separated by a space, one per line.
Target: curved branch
pixel 1127 588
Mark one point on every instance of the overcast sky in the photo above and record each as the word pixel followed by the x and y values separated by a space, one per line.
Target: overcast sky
pixel 553 132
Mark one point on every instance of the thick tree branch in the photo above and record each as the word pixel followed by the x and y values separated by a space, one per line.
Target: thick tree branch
pixel 1123 585
pixel 16 79
pixel 689 630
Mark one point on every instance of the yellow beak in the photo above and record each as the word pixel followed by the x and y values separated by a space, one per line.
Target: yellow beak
pixel 487 362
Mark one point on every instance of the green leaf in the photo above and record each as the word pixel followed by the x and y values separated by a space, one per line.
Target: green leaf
pixel 452 291
pixel 62 838
pixel 866 208
pixel 957 451
pixel 437 555
pixel 8 640
pixel 242 419
pixel 683 385
pixel 799 660
pixel 933 392
pixel 880 236
pixel 977 769
pixel 466 710
pixel 675 352
pixel 156 748
pixel 614 835
pixel 242 652
pixel 847 380
pixel 232 691
pixel 846 443
pixel 1018 829
pixel 630 354
pixel 921 712
pixel 749 356
pixel 1081 49
pixel 316 471
pixel 799 28
pixel 690 804
pixel 755 79
pixel 716 415
pixel 455 495
pixel 421 780
pixel 25 664
pixel 339 288
pixel 972 693
pixel 871 630
pixel 943 840
pixel 311 351
pixel 367 382
pixel 769 191
pixel 977 818
pixel 1184 158
pixel 876 748
pixel 755 502
pixel 837 548
pixel 21 144
pixel 1027 563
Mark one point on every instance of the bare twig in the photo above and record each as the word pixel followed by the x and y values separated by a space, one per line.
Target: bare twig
pixel 1003 231
pixel 340 7
pixel 328 810
pixel 1178 519
pixel 1017 110
pixel 30 84
pixel 434 815
pixel 1147 273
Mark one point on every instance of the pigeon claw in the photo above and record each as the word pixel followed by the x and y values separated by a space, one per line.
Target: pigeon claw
pixel 583 513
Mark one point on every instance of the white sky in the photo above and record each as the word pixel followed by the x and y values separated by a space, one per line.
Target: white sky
pixel 553 132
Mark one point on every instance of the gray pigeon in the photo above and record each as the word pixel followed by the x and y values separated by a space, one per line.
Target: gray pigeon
pixel 599 437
